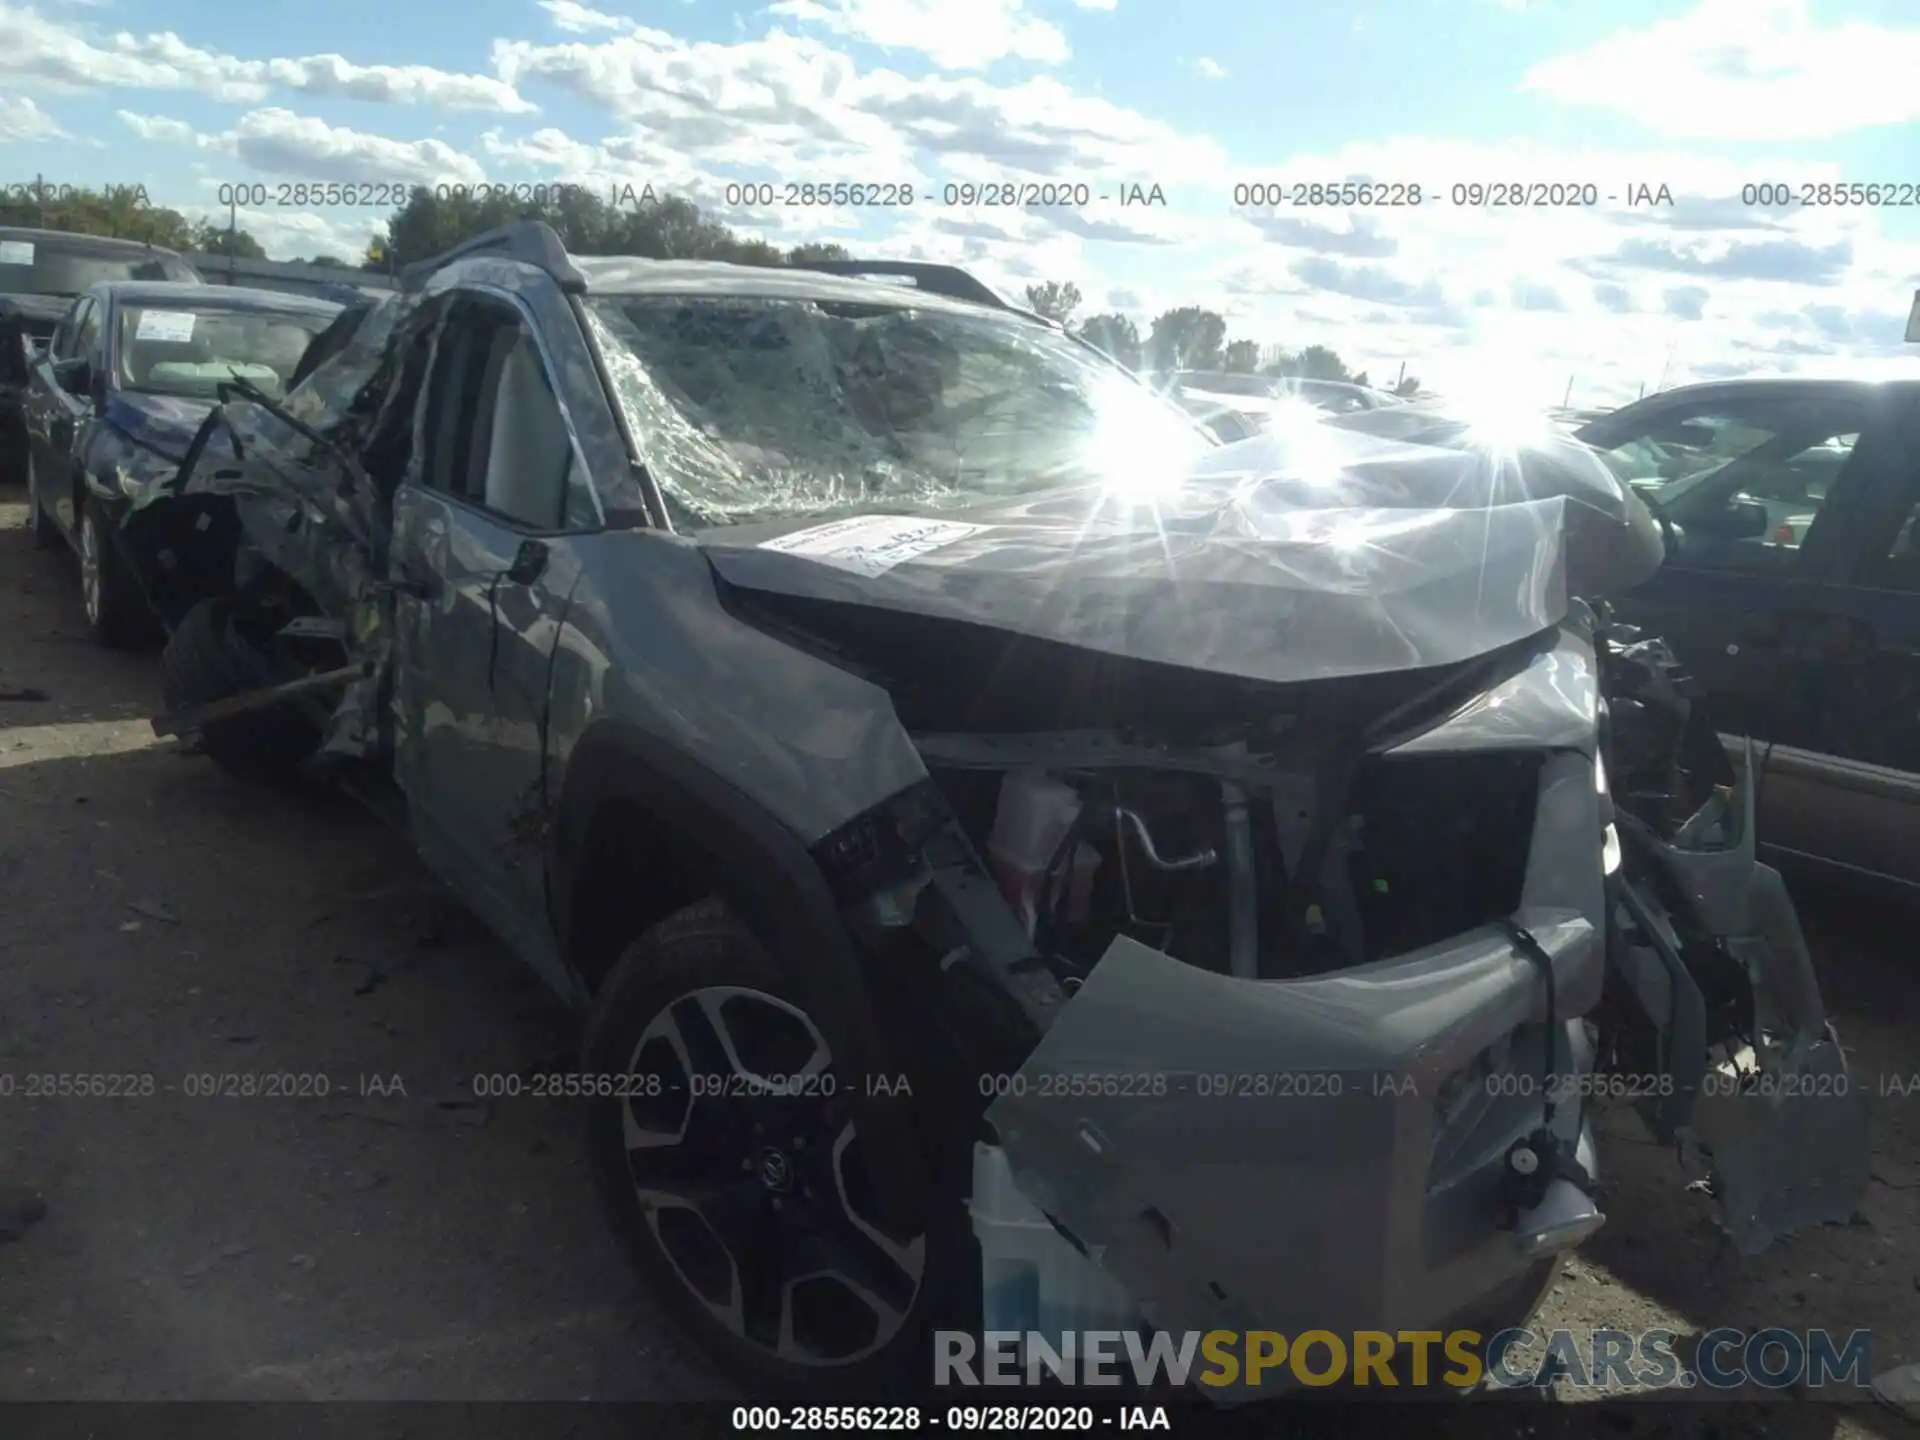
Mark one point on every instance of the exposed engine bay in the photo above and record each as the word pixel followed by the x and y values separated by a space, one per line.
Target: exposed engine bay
pixel 1198 867
pixel 1575 804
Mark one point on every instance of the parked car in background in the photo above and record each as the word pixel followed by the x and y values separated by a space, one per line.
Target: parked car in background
pixel 1569 418
pixel 1792 591
pixel 41 271
pixel 1235 406
pixel 1791 588
pixel 114 400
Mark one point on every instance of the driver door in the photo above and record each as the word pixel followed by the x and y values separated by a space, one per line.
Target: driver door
pixel 484 570
pixel 57 416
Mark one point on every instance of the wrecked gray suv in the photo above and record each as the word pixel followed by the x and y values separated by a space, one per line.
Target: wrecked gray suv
pixel 1024 865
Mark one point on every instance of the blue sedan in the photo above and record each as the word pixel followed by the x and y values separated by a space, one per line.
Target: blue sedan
pixel 113 402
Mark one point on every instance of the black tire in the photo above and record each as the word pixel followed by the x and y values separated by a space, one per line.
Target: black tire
pixel 39 524
pixel 206 660
pixel 117 613
pixel 703 948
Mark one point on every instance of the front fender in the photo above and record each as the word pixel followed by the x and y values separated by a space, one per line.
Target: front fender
pixel 760 868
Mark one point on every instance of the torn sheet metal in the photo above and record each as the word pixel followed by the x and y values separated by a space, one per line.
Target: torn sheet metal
pixel 1305 595
pixel 308 508
pixel 1551 703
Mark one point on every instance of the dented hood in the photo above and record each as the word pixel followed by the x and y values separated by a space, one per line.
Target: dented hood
pixel 1292 557
pixel 47 309
pixel 164 424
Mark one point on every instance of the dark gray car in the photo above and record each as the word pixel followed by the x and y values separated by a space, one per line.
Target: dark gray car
pixel 1018 861
pixel 41 273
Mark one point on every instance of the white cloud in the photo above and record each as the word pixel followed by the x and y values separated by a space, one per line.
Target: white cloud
pixel 1210 68
pixel 297 234
pixel 1752 70
pixel 791 107
pixel 571 16
pixel 1096 4
pixel 1609 293
pixel 281 144
pixel 956 37
pixel 35 50
pixel 158 127
pixel 22 120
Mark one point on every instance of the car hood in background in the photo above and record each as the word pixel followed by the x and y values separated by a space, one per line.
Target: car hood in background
pixel 1310 555
pixel 164 423
pixel 45 309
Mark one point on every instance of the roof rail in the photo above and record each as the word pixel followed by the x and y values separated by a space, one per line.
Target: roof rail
pixel 948 280
pixel 532 242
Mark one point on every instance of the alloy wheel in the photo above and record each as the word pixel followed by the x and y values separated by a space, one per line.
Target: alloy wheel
pixel 755 1184
pixel 90 571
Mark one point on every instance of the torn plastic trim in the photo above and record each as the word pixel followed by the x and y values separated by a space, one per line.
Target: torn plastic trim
pixel 1316 1216
pixel 1789 1142
pixel 1793 1148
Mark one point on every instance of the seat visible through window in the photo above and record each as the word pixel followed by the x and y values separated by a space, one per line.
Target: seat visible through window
pixel 528 451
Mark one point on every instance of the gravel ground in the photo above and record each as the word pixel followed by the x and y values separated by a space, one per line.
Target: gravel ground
pixel 394 1238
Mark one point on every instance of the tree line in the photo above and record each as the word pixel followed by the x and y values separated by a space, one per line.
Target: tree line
pixel 1191 337
pixel 638 222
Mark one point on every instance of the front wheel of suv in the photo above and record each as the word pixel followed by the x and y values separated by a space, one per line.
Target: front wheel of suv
pixel 748 1205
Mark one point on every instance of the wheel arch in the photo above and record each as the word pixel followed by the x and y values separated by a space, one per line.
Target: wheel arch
pixel 630 799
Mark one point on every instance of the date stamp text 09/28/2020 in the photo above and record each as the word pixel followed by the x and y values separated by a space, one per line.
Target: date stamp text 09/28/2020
pixel 1015 194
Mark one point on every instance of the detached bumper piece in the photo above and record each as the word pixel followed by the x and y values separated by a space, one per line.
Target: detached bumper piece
pixel 1781 1122
pixel 1324 1153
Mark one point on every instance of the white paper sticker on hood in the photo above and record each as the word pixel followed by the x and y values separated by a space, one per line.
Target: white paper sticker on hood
pixel 16 252
pixel 872 544
pixel 172 326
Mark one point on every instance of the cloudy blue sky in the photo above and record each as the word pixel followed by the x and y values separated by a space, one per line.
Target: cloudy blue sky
pixel 1195 97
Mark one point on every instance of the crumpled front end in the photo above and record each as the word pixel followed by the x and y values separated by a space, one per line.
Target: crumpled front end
pixel 304 487
pixel 1350 1103
pixel 1324 1008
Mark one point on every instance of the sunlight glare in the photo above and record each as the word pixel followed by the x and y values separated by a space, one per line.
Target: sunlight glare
pixel 1141 453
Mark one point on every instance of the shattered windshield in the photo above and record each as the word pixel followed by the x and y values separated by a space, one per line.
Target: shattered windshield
pixel 760 409
pixel 190 352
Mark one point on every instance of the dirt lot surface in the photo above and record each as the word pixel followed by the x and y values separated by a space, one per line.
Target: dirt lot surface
pixel 160 920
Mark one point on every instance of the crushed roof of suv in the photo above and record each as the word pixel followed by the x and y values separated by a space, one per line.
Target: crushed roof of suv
pixel 692 279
